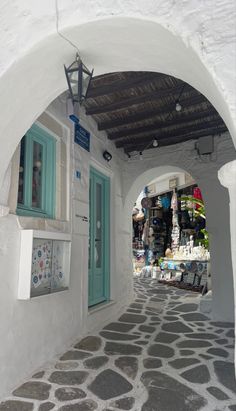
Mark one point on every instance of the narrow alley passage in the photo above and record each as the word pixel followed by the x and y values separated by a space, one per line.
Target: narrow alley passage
pixel 162 354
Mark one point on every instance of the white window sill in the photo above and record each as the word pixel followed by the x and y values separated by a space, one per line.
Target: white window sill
pixel 45 224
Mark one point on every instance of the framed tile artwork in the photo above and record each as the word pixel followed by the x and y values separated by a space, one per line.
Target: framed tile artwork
pixel 44 263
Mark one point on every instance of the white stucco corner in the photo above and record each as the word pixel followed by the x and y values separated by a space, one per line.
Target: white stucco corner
pixel 227 175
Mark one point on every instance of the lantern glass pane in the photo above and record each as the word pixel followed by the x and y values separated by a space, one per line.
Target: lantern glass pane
pixel 85 83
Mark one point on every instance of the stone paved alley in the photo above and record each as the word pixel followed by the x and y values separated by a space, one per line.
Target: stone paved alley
pixel 162 354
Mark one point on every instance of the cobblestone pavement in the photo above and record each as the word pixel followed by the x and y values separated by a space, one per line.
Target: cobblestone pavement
pixel 162 354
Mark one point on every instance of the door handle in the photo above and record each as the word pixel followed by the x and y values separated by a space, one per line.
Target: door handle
pixel 84 218
pixel 97 239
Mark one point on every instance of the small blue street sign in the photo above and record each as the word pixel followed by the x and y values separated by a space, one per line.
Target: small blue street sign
pixel 82 137
pixel 74 118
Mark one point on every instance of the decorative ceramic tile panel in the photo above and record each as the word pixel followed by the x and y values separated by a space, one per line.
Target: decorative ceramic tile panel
pixel 44 263
pixel 41 273
pixel 48 266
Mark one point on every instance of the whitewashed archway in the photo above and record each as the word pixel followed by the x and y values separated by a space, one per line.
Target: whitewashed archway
pixel 215 197
pixel 144 179
pixel 107 44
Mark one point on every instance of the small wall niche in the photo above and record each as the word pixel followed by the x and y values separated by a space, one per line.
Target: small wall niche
pixel 44 263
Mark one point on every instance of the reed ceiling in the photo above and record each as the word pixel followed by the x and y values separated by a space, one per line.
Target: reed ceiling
pixel 134 108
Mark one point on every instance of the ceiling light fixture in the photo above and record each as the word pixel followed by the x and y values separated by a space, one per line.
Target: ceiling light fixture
pixel 178 106
pixel 154 143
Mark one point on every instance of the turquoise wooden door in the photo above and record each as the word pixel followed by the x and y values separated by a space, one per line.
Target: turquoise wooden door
pixel 99 239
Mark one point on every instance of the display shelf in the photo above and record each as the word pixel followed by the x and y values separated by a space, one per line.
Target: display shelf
pixel 44 266
pixel 193 272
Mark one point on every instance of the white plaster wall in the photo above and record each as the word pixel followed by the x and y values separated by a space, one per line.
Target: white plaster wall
pixel 34 331
pixel 191 40
pixel 184 157
pixel 161 185
pixel 227 176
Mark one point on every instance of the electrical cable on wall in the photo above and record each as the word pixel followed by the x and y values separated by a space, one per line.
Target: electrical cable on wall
pixel 60 34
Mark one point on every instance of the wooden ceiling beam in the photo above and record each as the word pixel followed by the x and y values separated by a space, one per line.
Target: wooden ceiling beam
pixel 130 101
pixel 120 85
pixel 166 141
pixel 159 131
pixel 188 102
pixel 178 120
pixel 164 133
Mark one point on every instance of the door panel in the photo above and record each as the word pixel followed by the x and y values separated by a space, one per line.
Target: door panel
pixel 99 202
pixel 98 226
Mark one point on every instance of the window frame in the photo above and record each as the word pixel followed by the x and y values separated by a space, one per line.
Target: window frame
pixel 39 135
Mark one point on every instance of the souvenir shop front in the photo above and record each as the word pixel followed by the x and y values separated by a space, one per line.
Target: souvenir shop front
pixel 170 241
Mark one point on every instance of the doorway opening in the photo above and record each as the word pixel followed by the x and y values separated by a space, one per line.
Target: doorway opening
pixel 170 240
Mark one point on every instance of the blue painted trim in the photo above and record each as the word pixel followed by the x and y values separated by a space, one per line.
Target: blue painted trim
pixel 38 135
pixel 97 177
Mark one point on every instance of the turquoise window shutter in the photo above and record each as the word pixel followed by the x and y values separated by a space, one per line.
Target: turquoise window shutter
pixel 47 143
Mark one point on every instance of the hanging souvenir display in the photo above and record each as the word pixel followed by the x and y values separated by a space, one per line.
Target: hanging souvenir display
pixel 175 234
pixel 158 202
pixel 174 201
pixel 139 216
pixel 146 202
pixel 198 195
pixel 135 211
pixel 165 201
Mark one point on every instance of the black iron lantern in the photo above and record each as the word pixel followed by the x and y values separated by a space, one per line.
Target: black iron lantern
pixel 78 79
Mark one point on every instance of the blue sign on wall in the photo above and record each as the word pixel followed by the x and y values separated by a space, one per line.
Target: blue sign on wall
pixel 74 118
pixel 82 137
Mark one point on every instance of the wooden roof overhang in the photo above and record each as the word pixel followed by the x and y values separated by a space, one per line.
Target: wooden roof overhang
pixel 134 108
